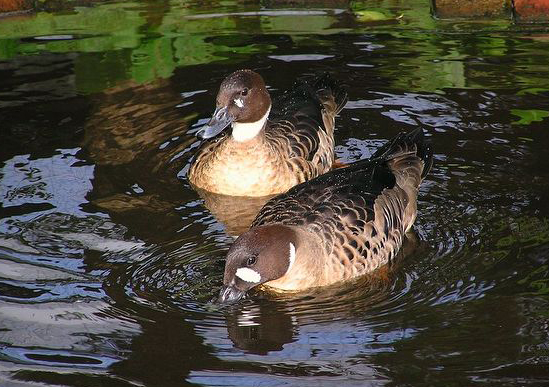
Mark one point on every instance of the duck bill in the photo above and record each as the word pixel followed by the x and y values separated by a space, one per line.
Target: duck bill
pixel 220 120
pixel 230 294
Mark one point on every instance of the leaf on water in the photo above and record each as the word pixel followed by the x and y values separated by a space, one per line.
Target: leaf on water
pixel 529 116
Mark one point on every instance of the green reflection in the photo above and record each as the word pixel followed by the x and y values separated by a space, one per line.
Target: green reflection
pixel 370 15
pixel 533 90
pixel 528 231
pixel 105 20
pixel 537 280
pixel 139 42
pixel 519 235
pixel 529 116
pixel 125 41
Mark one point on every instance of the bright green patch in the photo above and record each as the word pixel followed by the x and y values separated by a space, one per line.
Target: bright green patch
pixel 529 116
pixel 370 16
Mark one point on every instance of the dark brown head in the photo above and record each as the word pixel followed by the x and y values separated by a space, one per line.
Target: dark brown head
pixel 260 255
pixel 242 99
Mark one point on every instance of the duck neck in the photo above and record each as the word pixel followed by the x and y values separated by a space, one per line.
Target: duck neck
pixel 246 131
pixel 307 267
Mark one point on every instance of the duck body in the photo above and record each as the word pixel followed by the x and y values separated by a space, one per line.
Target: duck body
pixel 338 226
pixel 268 150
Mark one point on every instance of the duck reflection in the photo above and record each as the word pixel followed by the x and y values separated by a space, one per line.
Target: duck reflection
pixel 235 212
pixel 135 140
pixel 260 328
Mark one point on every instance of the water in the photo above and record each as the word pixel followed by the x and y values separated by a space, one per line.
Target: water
pixel 109 260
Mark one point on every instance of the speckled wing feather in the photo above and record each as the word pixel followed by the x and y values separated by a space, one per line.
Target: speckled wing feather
pixel 361 212
pixel 302 122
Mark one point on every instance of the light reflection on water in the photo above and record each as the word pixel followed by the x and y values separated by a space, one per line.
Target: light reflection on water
pixel 109 260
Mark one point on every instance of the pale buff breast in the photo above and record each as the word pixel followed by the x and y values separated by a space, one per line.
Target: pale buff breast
pixel 252 168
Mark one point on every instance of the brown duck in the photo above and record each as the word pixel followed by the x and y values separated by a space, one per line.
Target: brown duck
pixel 338 226
pixel 268 150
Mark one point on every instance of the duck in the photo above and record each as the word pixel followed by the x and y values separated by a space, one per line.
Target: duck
pixel 341 225
pixel 271 147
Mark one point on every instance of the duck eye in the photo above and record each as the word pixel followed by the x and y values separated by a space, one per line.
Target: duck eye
pixel 244 91
pixel 251 261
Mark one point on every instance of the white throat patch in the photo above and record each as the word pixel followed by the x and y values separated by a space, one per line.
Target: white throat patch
pixel 248 275
pixel 246 131
pixel 292 256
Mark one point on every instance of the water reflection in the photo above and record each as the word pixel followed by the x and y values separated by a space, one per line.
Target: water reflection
pixel 165 352
pixel 109 259
pixel 132 177
pixel 261 328
pixel 235 212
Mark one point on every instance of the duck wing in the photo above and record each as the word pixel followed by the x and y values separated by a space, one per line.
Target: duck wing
pixel 302 123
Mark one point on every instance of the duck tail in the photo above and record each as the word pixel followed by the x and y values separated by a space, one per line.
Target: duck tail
pixel 330 92
pixel 406 145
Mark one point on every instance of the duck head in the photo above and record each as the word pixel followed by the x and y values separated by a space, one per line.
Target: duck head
pixel 260 255
pixel 242 102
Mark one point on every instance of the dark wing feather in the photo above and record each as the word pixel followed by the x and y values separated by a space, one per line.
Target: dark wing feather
pixel 365 179
pixel 298 115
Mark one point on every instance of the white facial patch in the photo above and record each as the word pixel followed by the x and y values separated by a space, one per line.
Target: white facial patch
pixel 248 130
pixel 239 102
pixel 248 275
pixel 292 256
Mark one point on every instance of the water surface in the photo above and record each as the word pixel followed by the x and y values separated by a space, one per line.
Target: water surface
pixel 109 259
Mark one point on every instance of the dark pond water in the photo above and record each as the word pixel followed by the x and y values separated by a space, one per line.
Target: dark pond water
pixel 109 260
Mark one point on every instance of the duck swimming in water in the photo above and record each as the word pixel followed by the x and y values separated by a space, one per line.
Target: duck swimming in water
pixel 271 147
pixel 338 226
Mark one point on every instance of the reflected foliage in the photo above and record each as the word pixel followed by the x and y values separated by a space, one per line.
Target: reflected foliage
pixel 129 41
pixel 110 260
pixel 529 116
pixel 527 232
